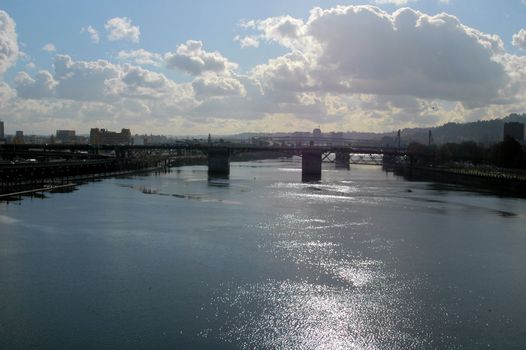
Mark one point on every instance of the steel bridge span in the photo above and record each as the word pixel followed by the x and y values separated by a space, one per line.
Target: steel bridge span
pixel 218 154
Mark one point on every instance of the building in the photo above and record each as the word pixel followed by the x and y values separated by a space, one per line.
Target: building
pixel 19 137
pixel 514 130
pixel 316 137
pixel 66 136
pixel 1 130
pixel 138 140
pixel 336 138
pixel 105 137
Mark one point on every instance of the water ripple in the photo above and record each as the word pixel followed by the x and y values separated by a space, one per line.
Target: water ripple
pixel 302 315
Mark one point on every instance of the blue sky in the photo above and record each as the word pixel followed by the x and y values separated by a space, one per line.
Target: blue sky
pixel 276 86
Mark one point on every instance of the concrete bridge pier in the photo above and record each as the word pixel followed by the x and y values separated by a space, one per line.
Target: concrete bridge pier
pixel 310 165
pixel 342 160
pixel 218 162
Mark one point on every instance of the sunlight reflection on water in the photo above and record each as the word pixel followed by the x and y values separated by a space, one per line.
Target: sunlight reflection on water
pixel 364 307
pixel 302 315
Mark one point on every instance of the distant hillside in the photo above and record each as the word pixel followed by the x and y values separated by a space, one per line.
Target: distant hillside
pixel 488 131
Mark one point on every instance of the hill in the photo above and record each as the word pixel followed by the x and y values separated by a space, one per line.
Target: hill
pixel 486 131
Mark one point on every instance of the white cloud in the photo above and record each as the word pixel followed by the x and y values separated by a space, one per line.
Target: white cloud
pixel 191 58
pixel 93 33
pixel 99 81
pixel 394 2
pixel 6 94
pixel 362 49
pixel 140 57
pixel 49 47
pixel 285 30
pixel 136 82
pixel 41 86
pixel 284 77
pixel 90 93
pixel 83 80
pixel 121 28
pixel 214 86
pixel 346 68
pixel 519 39
pixel 247 41
pixel 8 42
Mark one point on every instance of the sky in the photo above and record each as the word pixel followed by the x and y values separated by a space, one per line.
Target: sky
pixel 225 67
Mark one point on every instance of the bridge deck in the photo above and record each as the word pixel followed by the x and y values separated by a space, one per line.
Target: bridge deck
pixel 205 147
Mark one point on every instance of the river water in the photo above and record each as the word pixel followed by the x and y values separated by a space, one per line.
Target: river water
pixel 361 260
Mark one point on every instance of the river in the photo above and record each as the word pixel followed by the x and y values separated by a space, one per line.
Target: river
pixel 361 260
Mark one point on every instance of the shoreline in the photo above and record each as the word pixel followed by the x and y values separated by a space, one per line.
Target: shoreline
pixel 499 183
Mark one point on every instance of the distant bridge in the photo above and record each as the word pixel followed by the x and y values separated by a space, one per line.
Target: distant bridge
pixel 218 153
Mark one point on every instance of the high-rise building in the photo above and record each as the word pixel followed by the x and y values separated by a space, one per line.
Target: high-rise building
pixel 316 133
pixel 514 130
pixel 19 137
pixel 1 130
pixel 66 136
pixel 105 137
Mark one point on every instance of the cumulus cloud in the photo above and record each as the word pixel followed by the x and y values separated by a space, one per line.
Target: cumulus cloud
pixel 213 86
pixel 8 42
pixel 283 78
pixel 49 47
pixel 519 39
pixel 137 82
pixel 362 49
pixel 140 57
pixel 6 94
pixel 285 30
pixel 92 32
pixel 41 86
pixel 99 81
pixel 247 41
pixel 192 59
pixel 83 80
pixel 121 28
pixel 394 2
pixel 348 67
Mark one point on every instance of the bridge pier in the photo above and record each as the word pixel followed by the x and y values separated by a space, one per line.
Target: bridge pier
pixel 342 160
pixel 218 161
pixel 310 165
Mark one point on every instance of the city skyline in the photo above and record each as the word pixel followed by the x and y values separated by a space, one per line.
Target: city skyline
pixel 198 67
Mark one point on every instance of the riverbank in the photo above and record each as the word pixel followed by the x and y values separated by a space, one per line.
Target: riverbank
pixel 19 178
pixel 37 190
pixel 501 181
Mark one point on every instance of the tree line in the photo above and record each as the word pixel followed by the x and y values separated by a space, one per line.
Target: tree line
pixel 507 154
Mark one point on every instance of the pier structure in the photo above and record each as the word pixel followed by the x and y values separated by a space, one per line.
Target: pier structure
pixel 311 160
pixel 73 158
pixel 342 160
pixel 219 161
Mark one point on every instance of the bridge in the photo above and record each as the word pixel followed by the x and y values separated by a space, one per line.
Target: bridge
pixel 218 153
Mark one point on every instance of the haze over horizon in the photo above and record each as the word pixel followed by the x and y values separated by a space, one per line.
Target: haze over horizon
pixel 193 68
